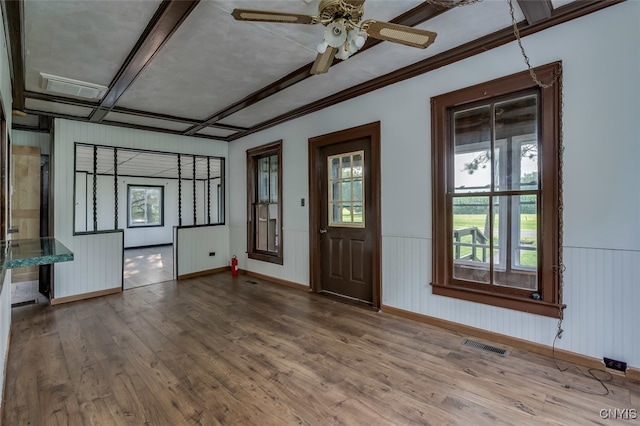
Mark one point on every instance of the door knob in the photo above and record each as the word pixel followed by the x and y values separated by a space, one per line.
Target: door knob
pixel 323 231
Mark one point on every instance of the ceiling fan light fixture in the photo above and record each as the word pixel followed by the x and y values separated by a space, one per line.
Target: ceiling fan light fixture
pixel 322 47
pixel 335 35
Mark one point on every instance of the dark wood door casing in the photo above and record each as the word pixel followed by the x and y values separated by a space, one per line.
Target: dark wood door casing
pixel 371 132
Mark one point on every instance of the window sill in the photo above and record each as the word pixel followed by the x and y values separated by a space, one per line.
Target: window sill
pixel 278 260
pixel 532 306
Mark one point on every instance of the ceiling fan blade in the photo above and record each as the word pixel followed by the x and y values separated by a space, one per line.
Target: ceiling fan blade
pixel 399 33
pixel 266 16
pixel 323 61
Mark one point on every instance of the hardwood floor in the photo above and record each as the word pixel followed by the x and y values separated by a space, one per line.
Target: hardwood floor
pixel 217 350
pixel 149 265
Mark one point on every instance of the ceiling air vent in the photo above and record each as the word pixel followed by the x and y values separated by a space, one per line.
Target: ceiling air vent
pixel 67 86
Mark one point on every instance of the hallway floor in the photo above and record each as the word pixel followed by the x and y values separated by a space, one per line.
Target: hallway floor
pixel 150 265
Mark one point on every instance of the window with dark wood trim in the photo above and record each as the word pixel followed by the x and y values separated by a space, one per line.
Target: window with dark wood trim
pixel 496 159
pixel 264 203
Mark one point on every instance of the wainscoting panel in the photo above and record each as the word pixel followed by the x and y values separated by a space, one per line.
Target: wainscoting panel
pixel 296 256
pixel 5 324
pixel 600 291
pixel 97 265
pixel 194 245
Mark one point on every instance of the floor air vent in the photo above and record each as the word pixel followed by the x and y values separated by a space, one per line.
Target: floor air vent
pixel 251 282
pixel 488 348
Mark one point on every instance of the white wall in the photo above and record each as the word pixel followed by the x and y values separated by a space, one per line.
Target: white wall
pixel 195 244
pixel 66 133
pixel 38 139
pixel 601 174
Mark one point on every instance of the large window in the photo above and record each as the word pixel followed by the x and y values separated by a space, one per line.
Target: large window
pixel 146 205
pixel 495 194
pixel 264 200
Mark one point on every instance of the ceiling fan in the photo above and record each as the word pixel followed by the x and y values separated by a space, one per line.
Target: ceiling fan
pixel 344 34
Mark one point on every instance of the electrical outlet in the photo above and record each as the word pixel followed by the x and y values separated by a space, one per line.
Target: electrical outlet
pixel 615 364
pixel 212 253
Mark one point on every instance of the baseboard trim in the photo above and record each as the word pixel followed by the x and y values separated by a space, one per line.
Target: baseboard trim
pixel 83 296
pixel 280 281
pixel 202 273
pixel 538 348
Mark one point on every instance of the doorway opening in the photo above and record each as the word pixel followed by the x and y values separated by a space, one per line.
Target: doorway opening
pixel 147 265
pixel 147 195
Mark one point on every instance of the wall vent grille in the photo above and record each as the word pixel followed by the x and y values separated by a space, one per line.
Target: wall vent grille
pixel 68 86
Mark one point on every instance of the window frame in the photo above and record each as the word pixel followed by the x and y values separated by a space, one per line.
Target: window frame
pixel 253 157
pixel 132 186
pixel 549 214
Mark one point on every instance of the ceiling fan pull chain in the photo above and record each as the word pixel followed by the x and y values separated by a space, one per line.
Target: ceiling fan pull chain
pixel 516 33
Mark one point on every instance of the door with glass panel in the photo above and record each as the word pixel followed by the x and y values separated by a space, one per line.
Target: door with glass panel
pixel 345 202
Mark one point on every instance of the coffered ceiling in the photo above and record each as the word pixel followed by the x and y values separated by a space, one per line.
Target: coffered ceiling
pixel 188 67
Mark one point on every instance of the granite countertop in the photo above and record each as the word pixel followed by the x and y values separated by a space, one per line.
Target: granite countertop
pixel 39 251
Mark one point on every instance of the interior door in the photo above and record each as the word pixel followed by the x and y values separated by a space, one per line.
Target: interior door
pixel 25 202
pixel 346 207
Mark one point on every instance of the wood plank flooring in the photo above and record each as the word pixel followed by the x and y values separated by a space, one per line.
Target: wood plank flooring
pixel 148 265
pixel 221 351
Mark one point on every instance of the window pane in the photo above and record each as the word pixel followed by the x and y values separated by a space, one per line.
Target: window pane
pixel 335 168
pixel 335 191
pixel 511 223
pixel 358 165
pixel 346 191
pixel 262 219
pixel 358 190
pixel 346 166
pixel 137 206
pixel 470 241
pixel 358 213
pixel 272 229
pixel 273 177
pixel 527 247
pixel 472 149
pixel 529 165
pixel 153 205
pixel 336 215
pixel 346 213
pixel 516 128
pixel 499 235
pixel 263 179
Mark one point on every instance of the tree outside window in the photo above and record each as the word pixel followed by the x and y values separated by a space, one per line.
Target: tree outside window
pixel 145 206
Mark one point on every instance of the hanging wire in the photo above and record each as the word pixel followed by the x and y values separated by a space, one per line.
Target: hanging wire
pixel 194 192
pixel 560 268
pixel 516 32
pixel 179 192
pixel 95 187
pixel 209 190
pixel 115 188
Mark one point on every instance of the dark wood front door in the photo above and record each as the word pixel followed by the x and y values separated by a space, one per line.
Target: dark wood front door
pixel 345 206
pixel 344 214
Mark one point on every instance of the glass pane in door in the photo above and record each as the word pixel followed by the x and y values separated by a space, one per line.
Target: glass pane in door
pixel 346 189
